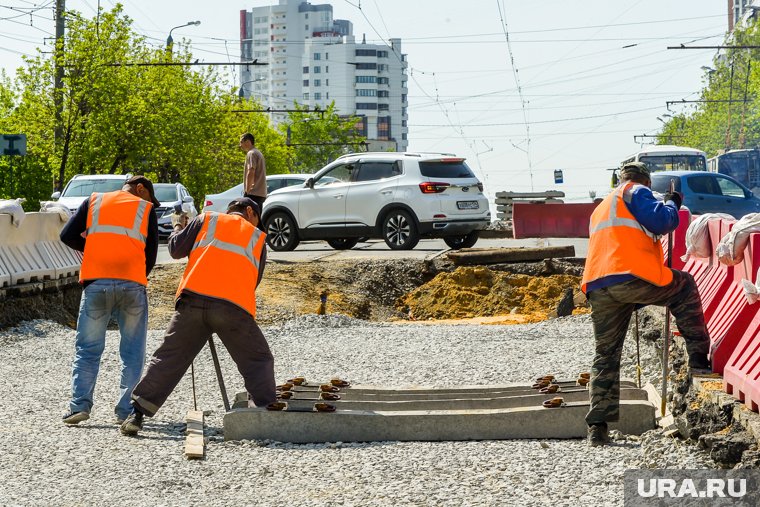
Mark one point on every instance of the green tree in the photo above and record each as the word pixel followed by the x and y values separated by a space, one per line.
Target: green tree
pixel 317 138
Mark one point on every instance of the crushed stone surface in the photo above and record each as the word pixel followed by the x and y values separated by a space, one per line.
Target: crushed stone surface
pixel 46 463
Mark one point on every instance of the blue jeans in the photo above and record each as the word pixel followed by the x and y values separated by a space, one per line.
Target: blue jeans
pixel 102 299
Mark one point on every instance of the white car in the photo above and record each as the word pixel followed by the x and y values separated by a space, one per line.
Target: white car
pixel 169 195
pixel 81 186
pixel 399 197
pixel 218 202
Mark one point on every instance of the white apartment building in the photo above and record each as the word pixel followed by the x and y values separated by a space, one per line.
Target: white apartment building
pixel 314 60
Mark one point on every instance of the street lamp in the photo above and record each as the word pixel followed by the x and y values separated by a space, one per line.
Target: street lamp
pixel 170 41
pixel 241 94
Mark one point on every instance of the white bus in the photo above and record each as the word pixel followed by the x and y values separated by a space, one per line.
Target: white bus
pixel 742 165
pixel 664 157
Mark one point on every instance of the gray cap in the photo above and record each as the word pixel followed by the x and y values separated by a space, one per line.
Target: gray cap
pixel 635 168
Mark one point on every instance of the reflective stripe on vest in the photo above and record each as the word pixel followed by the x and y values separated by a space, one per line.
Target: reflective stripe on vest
pixel 613 220
pixel 210 239
pixel 133 233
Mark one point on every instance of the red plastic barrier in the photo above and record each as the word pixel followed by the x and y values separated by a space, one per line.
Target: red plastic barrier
pixel 733 314
pixel 679 239
pixel 713 278
pixel 741 377
pixel 551 220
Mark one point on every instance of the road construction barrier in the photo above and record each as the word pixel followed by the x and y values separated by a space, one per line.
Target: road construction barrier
pixel 551 220
pixel 741 377
pixel 33 252
pixel 679 239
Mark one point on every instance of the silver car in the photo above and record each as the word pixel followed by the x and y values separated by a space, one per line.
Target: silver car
pixel 218 202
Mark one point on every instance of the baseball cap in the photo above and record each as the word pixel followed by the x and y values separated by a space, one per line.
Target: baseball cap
pixel 139 179
pixel 245 202
pixel 635 168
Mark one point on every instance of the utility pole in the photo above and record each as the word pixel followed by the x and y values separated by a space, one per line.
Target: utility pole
pixel 60 9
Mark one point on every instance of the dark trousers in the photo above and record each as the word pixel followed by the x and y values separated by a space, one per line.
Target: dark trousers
pixel 260 201
pixel 195 319
pixel 611 310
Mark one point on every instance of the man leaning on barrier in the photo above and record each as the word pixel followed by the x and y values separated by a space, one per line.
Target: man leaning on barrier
pixel 118 233
pixel 217 294
pixel 625 270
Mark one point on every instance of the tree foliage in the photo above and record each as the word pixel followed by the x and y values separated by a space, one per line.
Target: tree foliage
pixel 729 116
pixel 317 138
pixel 171 123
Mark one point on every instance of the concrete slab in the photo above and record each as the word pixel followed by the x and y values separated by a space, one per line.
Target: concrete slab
pixel 636 417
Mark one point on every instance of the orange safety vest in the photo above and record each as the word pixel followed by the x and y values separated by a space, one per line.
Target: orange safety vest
pixel 117 229
pixel 224 261
pixel 620 245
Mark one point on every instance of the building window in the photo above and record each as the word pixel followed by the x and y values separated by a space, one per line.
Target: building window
pixel 327 69
pixel 317 82
pixel 366 79
pixel 403 123
pixel 317 69
pixel 366 66
pixel 366 52
pixel 384 128
pixel 383 80
pixel 306 82
pixel 403 136
pixel 366 105
pixel 383 93
pixel 382 67
pixel 327 82
pixel 306 96
pixel 382 54
pixel 382 107
pixel 306 28
pixel 362 92
pixel 317 56
pixel 317 96
pixel 327 96
pixel 403 97
pixel 327 57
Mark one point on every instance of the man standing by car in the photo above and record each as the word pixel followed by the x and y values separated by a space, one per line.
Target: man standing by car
pixel 625 270
pixel 217 294
pixel 118 233
pixel 255 171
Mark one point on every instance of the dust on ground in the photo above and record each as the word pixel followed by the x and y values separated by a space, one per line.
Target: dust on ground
pixel 479 292
pixel 380 290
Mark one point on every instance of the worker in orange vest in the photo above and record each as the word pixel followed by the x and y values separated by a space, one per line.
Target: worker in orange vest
pixel 625 270
pixel 217 294
pixel 118 233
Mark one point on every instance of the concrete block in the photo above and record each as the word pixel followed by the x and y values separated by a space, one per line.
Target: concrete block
pixel 65 261
pixel 636 417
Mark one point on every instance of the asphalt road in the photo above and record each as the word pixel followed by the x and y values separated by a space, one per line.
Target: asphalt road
pixel 377 249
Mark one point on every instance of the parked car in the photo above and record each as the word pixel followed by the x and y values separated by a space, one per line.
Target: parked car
pixel 399 197
pixel 218 202
pixel 705 192
pixel 81 186
pixel 168 195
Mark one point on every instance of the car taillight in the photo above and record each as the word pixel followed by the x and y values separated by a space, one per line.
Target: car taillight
pixel 432 187
pixel 480 186
pixel 208 203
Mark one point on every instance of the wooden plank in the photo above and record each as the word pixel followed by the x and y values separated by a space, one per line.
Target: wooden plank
pixel 467 257
pixel 195 445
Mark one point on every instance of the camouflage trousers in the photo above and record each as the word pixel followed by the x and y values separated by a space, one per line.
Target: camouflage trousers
pixel 612 308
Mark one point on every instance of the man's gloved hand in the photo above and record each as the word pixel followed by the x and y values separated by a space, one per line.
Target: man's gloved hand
pixel 675 197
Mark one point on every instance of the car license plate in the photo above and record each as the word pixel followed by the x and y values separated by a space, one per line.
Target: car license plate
pixel 468 205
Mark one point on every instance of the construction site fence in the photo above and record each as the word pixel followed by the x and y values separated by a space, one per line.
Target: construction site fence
pixel 33 252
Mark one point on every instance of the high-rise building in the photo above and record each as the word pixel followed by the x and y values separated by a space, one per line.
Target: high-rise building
pixel 314 60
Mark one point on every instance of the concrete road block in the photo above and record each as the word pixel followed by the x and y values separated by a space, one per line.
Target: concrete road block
pixel 65 261
pixel 636 417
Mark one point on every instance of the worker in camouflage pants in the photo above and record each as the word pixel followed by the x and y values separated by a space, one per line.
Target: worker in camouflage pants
pixel 625 270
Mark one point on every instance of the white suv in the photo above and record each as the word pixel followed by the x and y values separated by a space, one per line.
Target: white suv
pixel 81 186
pixel 399 197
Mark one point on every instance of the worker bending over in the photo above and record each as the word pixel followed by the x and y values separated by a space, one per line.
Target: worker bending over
pixel 625 270
pixel 216 295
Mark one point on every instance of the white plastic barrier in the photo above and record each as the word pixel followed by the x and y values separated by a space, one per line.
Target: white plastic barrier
pixel 33 252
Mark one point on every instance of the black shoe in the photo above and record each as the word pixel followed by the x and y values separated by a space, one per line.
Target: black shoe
pixel 597 435
pixel 75 417
pixel 699 364
pixel 133 424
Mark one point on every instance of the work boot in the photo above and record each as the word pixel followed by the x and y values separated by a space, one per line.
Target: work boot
pixel 75 417
pixel 699 365
pixel 133 424
pixel 597 435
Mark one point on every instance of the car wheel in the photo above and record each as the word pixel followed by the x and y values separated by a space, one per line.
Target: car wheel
pixel 466 241
pixel 342 243
pixel 400 230
pixel 282 234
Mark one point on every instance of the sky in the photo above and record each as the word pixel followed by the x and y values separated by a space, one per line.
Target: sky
pixel 520 89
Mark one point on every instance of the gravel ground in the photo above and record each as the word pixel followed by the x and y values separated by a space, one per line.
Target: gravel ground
pixel 44 462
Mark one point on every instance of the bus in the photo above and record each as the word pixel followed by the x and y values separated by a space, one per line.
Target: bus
pixel 742 165
pixel 663 157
